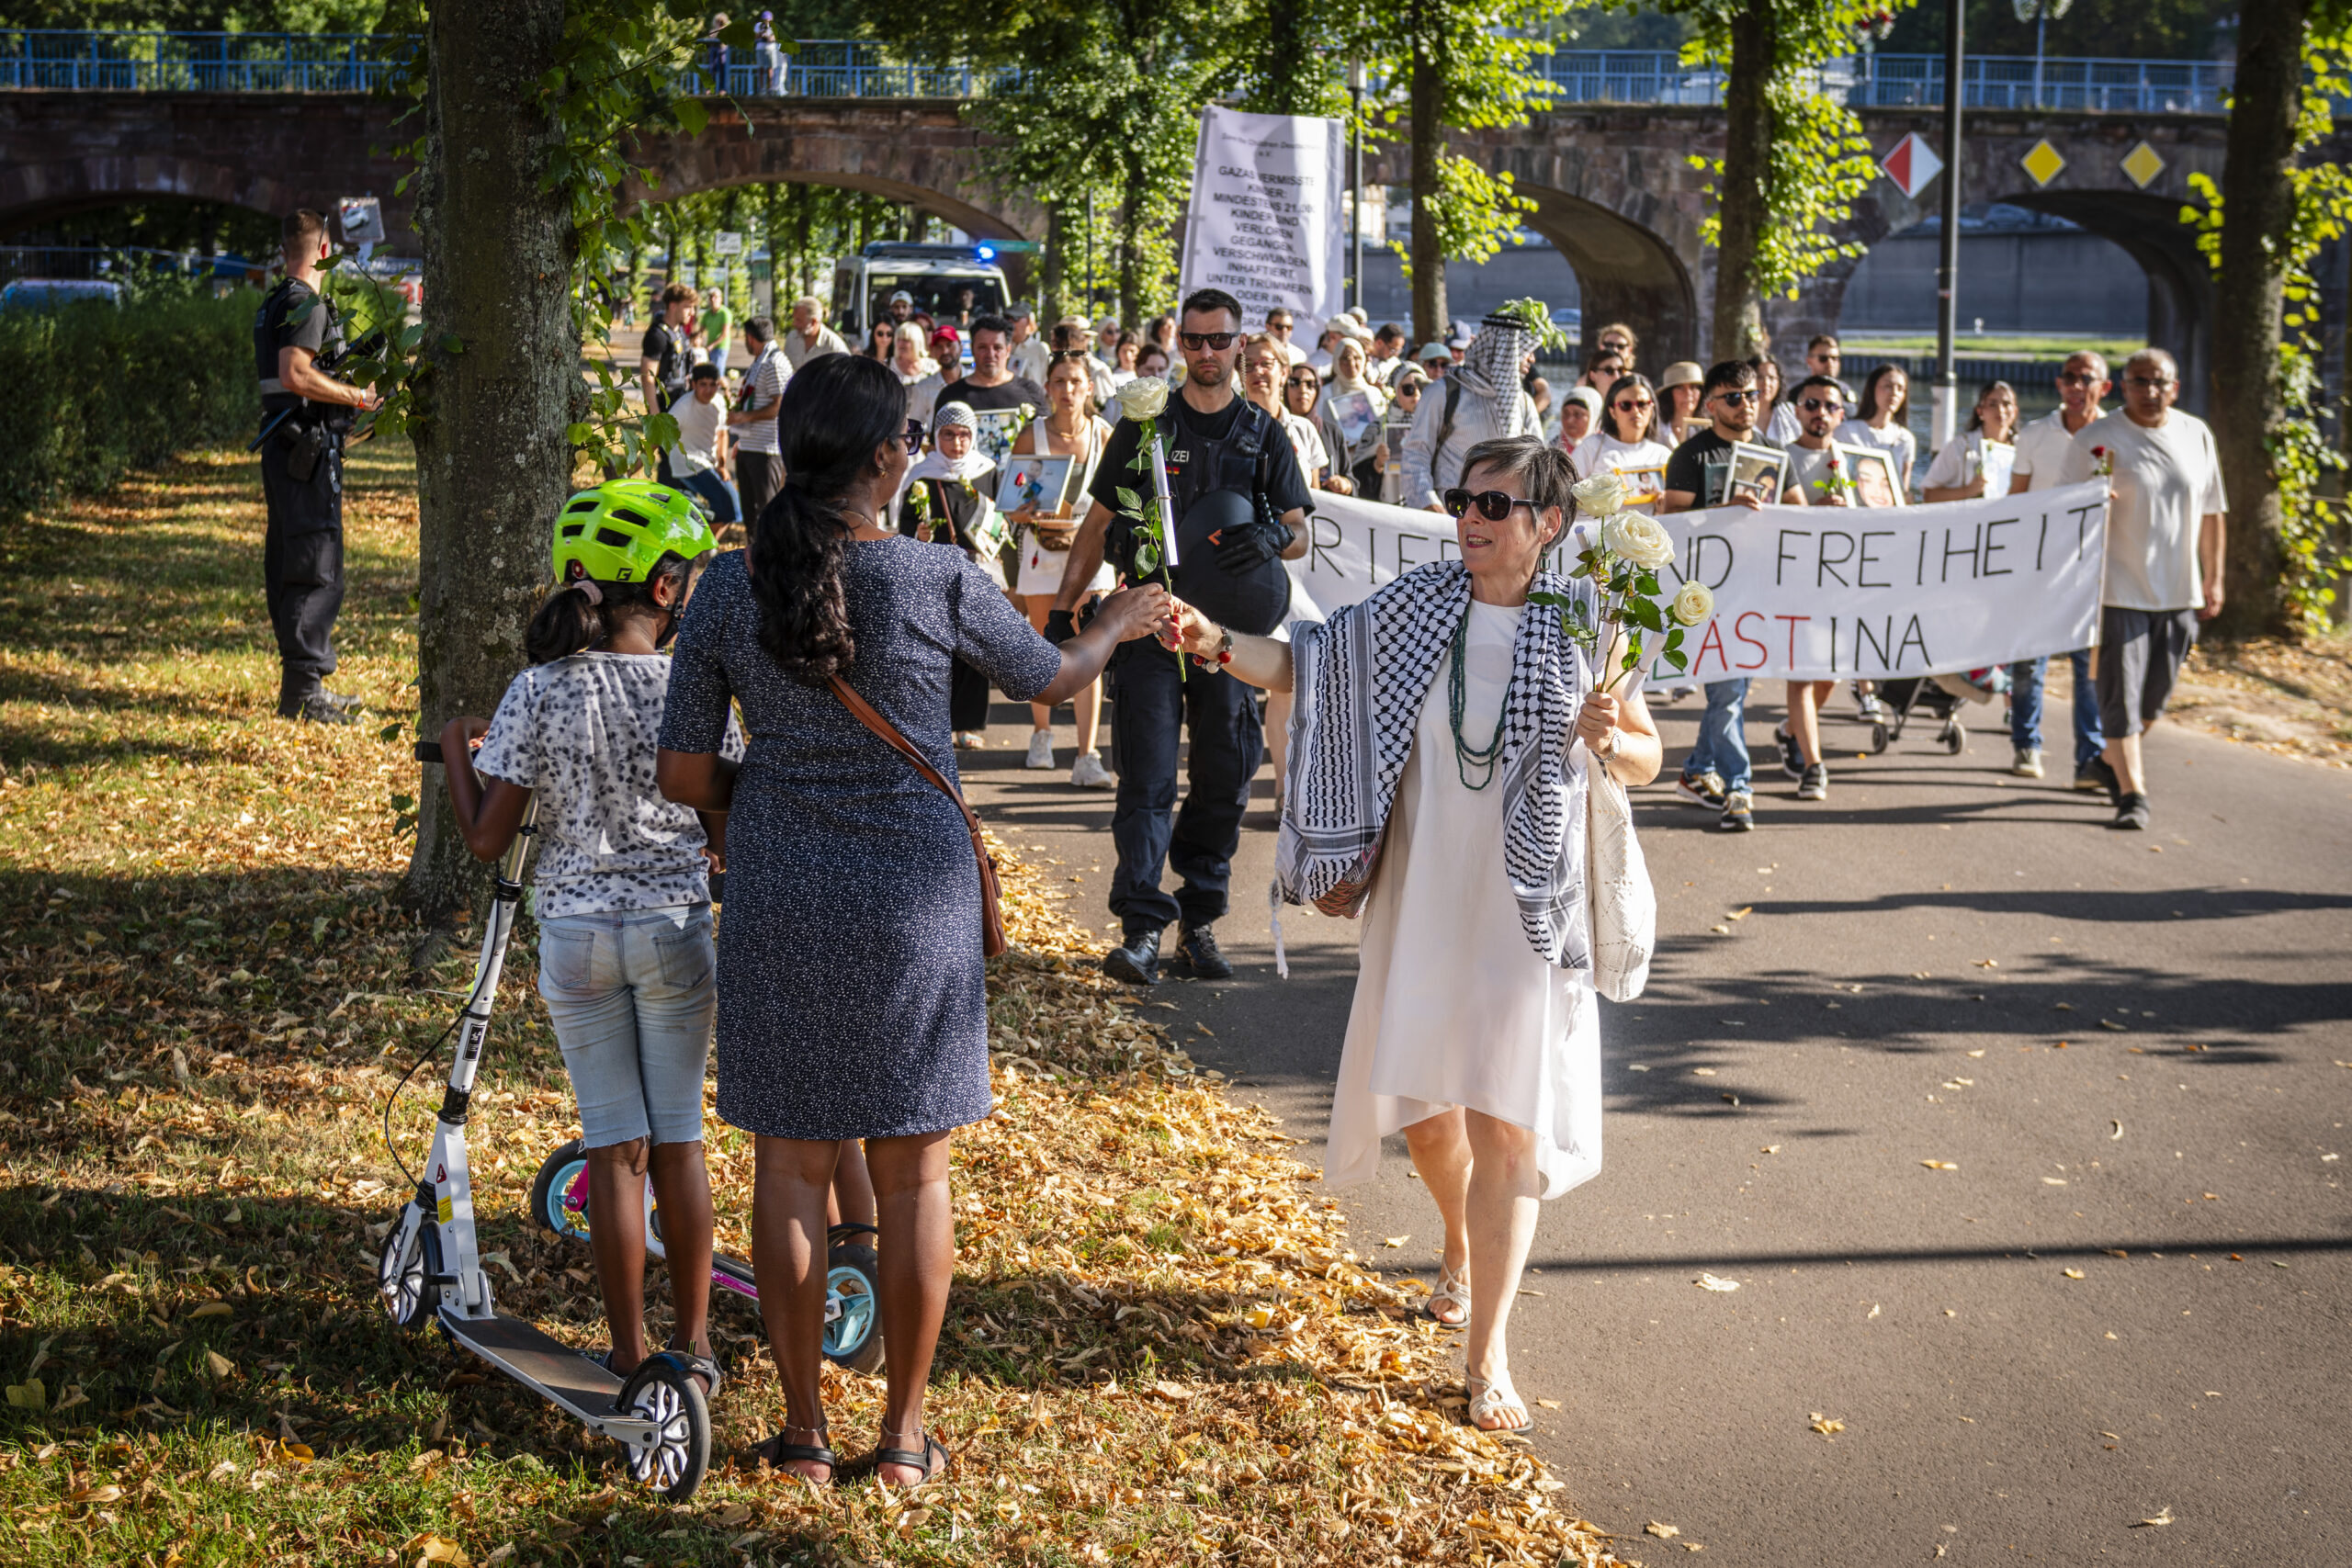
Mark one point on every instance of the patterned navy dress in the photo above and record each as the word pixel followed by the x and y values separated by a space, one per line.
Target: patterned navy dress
pixel 851 997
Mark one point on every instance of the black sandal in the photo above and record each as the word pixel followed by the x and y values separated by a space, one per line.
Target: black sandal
pixel 776 1453
pixel 714 1377
pixel 924 1462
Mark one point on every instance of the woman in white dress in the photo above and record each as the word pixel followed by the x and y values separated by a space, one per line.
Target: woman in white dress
pixel 1069 425
pixel 1475 1028
pixel 1627 440
pixel 1977 461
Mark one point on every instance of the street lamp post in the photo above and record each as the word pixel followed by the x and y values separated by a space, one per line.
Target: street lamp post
pixel 1356 181
pixel 1947 402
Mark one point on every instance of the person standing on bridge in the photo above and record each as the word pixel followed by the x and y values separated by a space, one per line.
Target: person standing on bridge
pixel 1476 1030
pixel 2165 534
pixel 301 473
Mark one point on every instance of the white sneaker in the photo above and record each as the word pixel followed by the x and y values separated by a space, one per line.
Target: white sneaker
pixel 2026 761
pixel 1089 774
pixel 1041 750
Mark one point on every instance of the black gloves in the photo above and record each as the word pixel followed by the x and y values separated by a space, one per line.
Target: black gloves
pixel 1250 546
pixel 1062 626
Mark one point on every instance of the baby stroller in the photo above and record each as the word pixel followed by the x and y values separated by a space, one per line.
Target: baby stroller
pixel 1941 695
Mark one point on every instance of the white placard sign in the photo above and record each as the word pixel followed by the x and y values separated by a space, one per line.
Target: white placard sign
pixel 1812 593
pixel 1265 223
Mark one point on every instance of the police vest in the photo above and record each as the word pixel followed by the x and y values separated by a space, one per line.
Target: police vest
pixel 1217 489
pixel 273 329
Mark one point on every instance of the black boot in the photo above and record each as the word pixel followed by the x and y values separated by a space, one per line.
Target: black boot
pixel 1198 949
pixel 303 700
pixel 1136 960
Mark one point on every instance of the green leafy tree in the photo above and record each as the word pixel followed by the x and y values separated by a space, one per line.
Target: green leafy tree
pixel 2286 540
pixel 1792 158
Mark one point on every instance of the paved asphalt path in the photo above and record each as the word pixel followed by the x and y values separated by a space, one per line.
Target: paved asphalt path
pixel 2133 1047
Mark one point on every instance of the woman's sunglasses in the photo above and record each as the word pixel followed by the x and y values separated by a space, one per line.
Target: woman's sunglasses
pixel 1492 504
pixel 1634 405
pixel 1219 341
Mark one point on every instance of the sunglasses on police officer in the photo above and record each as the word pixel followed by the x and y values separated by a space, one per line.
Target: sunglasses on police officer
pixel 1219 341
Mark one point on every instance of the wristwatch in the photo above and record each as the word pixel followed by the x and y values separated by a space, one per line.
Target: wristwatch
pixel 1616 744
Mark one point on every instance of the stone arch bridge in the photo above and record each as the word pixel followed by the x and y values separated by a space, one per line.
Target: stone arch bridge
pixel 1613 187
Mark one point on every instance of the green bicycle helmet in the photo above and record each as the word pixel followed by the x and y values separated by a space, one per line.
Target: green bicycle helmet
pixel 619 531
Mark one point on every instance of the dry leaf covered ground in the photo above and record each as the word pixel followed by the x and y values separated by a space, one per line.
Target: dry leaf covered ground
pixel 1158 1346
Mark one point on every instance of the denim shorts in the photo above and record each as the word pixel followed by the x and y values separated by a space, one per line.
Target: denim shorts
pixel 633 995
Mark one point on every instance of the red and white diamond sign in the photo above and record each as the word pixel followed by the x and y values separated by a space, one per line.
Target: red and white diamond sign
pixel 1912 164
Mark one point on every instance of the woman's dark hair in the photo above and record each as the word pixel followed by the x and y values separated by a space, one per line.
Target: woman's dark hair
pixel 1977 414
pixel 835 414
pixel 1764 365
pixel 1630 382
pixel 569 621
pixel 1901 412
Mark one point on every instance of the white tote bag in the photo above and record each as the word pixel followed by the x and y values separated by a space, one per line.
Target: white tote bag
pixel 1617 888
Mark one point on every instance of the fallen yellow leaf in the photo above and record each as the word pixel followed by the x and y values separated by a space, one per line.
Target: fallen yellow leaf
pixel 2074 1273
pixel 1939 1165
pixel 1664 1532
pixel 1710 1282
pixel 1824 1425
pixel 214 1309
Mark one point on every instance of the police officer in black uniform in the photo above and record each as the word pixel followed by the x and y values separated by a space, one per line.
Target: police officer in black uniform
pixel 301 473
pixel 1241 506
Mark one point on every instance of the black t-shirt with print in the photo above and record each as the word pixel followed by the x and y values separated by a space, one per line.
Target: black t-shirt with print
pixel 669 348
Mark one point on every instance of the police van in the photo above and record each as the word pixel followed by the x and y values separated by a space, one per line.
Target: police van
pixel 947 281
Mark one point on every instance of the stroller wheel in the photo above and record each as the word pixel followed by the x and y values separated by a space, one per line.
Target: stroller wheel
pixel 674 1465
pixel 1878 738
pixel 1955 737
pixel 407 1269
pixel 852 1308
pixel 551 1192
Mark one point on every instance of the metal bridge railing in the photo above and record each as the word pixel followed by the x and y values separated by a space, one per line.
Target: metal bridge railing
pixel 844 68
pixel 1906 81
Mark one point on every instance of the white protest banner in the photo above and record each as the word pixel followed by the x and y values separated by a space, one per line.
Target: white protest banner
pixel 1814 594
pixel 1266 223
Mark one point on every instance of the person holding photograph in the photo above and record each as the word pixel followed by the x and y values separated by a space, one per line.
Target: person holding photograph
pixel 1351 390
pixel 947 500
pixel 1069 425
pixel 1880 421
pixel 1626 441
pixel 1977 461
pixel 1717 773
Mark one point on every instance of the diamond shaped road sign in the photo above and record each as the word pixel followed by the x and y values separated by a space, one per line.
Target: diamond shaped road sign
pixel 1912 164
pixel 2042 162
pixel 2144 163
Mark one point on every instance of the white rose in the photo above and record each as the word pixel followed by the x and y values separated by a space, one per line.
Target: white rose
pixel 1693 604
pixel 1603 495
pixel 1630 537
pixel 1141 399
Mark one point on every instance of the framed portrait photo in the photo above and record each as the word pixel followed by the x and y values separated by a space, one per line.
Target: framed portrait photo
pixel 1756 471
pixel 1042 483
pixel 1353 413
pixel 1874 475
pixel 993 432
pixel 1643 486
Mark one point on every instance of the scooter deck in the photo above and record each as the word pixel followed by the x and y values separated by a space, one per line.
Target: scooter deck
pixel 523 1350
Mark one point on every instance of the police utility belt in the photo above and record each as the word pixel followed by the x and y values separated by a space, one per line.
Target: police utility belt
pixel 309 430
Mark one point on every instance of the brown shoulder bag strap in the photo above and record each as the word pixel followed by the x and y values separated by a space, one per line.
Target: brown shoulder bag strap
pixel 992 914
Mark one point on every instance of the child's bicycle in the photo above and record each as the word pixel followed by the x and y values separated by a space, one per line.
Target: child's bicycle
pixel 852 1317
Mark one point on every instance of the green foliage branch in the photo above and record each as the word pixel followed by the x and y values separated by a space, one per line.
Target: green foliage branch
pixel 2313 526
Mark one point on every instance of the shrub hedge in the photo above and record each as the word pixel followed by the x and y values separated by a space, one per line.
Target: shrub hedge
pixel 91 390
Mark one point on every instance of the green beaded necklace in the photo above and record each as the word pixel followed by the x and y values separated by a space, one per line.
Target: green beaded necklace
pixel 1466 756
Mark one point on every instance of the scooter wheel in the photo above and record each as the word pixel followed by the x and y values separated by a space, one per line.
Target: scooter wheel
pixel 405 1275
pixel 1878 738
pixel 1955 737
pixel 853 1308
pixel 552 1190
pixel 674 1465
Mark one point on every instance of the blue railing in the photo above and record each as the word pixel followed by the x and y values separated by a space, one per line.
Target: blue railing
pixel 1908 81
pixel 842 68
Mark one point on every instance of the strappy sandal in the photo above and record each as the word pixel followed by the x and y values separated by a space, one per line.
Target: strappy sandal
pixel 776 1453
pixel 714 1376
pixel 1453 1291
pixel 1490 1399
pixel 933 1458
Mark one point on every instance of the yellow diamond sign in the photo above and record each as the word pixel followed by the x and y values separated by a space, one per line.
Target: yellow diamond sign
pixel 2144 163
pixel 2043 163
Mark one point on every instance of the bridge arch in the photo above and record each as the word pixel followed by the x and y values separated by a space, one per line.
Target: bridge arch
pixel 35 192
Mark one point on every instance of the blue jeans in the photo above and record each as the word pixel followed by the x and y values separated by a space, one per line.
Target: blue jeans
pixel 1150 711
pixel 632 996
pixel 1722 741
pixel 2026 678
pixel 716 492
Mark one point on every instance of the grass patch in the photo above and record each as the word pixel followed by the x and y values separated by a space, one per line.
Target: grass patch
pixel 1158 1346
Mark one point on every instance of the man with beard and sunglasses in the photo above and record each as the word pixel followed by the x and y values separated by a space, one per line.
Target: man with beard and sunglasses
pixel 1481 400
pixel 1717 776
pixel 1241 506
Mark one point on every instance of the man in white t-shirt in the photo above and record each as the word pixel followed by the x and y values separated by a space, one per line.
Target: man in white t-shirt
pixel 2041 449
pixel 759 451
pixel 1030 356
pixel 809 337
pixel 2164 536
pixel 699 464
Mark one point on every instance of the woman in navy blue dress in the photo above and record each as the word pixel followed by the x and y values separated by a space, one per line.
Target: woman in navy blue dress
pixel 852 1002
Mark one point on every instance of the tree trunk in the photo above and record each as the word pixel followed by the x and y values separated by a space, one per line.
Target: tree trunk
pixel 1428 111
pixel 500 374
pixel 1739 328
pixel 2249 297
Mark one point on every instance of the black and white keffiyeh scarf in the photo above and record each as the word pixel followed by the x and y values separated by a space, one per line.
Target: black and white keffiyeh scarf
pixel 1358 684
